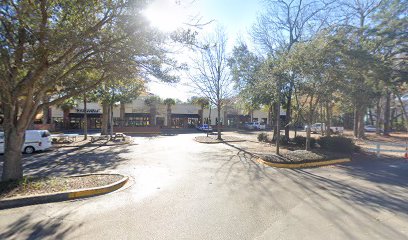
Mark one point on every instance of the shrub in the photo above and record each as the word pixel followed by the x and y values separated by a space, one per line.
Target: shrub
pixel 301 141
pixel 337 144
pixel 263 137
pixel 282 141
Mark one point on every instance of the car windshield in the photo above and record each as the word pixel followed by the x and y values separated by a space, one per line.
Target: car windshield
pixel 45 134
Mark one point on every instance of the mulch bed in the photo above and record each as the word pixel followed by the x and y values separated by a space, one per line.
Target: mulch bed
pixel 303 156
pixel 213 139
pixel 36 186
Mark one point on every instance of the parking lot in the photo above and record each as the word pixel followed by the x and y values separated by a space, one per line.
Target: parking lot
pixel 181 189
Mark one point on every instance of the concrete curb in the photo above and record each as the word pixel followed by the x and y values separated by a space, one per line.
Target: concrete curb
pixel 63 196
pixel 217 142
pixel 304 165
pixel 220 142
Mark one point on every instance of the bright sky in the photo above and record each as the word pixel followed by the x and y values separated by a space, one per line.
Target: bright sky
pixel 236 16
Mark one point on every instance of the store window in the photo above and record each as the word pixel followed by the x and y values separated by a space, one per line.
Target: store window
pixel 137 121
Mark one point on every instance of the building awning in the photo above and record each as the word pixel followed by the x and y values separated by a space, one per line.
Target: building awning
pixel 181 115
pixel 81 115
pixel 137 115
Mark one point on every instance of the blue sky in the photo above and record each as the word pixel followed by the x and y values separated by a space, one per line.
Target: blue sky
pixel 236 16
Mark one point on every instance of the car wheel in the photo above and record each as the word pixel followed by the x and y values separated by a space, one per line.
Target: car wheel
pixel 29 150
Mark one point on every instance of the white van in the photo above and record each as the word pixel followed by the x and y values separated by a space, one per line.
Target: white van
pixel 35 140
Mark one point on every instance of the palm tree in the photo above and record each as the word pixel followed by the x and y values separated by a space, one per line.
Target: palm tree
pixel 66 106
pixel 152 102
pixel 203 103
pixel 169 102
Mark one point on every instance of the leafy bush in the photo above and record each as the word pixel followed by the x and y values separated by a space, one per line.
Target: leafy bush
pixel 301 141
pixel 337 144
pixel 263 137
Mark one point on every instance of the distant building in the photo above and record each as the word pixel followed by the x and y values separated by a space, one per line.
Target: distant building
pixel 137 113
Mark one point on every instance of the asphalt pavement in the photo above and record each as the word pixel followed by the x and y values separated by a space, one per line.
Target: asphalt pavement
pixel 181 189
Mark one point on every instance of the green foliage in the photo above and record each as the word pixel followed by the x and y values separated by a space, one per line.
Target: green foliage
pixel 67 104
pixel 169 101
pixel 152 101
pixel 337 144
pixel 301 141
pixel 263 137
pixel 200 101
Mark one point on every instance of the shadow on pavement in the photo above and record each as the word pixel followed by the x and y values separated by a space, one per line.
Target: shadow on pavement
pixel 385 170
pixel 365 188
pixel 55 228
pixel 69 161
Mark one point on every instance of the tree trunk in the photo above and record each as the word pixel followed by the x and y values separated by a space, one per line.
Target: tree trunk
pixel 392 119
pixel 288 117
pixel 168 116
pixel 45 110
pixel 328 119
pixel 209 118
pixel 270 114
pixel 85 119
pixel 111 120
pixel 153 115
pixel 377 122
pixel 277 127
pixel 275 119
pixel 309 123
pixel 355 122
pixel 361 122
pixel 370 115
pixel 323 119
pixel 105 118
pixel 65 117
pixel 387 113
pixel 12 167
pixel 308 136
pixel 122 114
pixel 219 123
pixel 201 114
pixel 404 112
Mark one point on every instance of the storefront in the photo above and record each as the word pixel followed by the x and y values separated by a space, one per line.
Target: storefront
pixel 76 120
pixel 136 119
pixel 184 120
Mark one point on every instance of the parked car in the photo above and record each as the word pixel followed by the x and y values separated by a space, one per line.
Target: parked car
pixel 317 127
pixel 34 140
pixel 204 127
pixel 255 126
pixel 371 128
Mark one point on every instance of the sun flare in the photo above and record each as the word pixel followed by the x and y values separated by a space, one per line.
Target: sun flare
pixel 165 15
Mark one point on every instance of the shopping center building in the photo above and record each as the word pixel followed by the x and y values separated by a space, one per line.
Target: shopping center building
pixel 137 113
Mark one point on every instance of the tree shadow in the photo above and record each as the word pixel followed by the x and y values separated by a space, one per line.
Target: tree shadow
pixel 363 187
pixel 27 225
pixel 69 161
pixel 384 170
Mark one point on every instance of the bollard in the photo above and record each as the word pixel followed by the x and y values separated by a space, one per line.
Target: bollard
pixel 378 150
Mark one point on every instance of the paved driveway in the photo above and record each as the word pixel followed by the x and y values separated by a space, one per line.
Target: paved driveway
pixel 185 190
